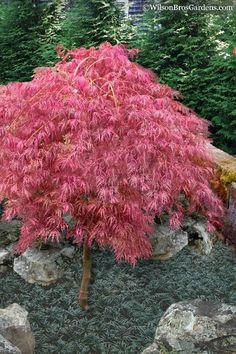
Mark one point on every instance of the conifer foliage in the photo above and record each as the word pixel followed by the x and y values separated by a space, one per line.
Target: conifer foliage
pixel 99 138
pixel 91 22
pixel 192 52
pixel 20 27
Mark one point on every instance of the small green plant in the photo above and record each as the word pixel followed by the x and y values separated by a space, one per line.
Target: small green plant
pixel 164 350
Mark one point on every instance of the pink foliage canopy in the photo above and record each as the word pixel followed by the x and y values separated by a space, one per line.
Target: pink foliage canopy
pixel 99 138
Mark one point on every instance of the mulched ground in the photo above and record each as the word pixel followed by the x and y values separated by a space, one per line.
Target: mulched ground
pixel 125 303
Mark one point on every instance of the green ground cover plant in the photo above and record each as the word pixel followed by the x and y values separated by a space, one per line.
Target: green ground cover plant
pixel 126 304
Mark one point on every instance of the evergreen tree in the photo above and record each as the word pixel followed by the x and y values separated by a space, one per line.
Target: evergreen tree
pixel 88 23
pixel 19 28
pixel 30 30
pixel 54 13
pixel 178 45
pixel 220 101
pixel 175 42
pixel 219 81
pixel 183 47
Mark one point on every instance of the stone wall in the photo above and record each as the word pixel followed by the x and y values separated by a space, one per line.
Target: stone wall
pixel 225 184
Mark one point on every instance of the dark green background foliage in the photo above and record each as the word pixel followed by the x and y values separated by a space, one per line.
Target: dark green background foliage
pixel 54 13
pixel 31 30
pixel 19 30
pixel 192 52
pixel 189 50
pixel 126 303
pixel 89 23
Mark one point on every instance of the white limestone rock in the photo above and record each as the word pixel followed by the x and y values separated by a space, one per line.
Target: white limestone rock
pixel 39 267
pixel 196 327
pixel 15 328
pixel 199 238
pixel 68 252
pixel 167 242
pixel 7 347
pixel 4 255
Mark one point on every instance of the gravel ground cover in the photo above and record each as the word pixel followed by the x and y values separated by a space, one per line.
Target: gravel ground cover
pixel 125 303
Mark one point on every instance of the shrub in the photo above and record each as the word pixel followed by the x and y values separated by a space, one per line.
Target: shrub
pixel 97 137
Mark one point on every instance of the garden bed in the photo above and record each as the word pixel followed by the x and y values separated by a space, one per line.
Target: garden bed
pixel 125 303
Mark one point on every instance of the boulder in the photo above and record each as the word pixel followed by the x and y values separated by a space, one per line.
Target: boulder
pixel 7 347
pixel 4 255
pixel 15 328
pixel 167 242
pixel 3 269
pixel 196 327
pixel 230 216
pixel 153 349
pixel 39 266
pixel 9 231
pixel 68 252
pixel 199 238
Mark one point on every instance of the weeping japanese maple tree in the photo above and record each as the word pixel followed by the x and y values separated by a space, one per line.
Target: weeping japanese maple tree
pixel 97 137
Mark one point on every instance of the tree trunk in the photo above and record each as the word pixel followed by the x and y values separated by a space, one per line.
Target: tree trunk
pixel 83 293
